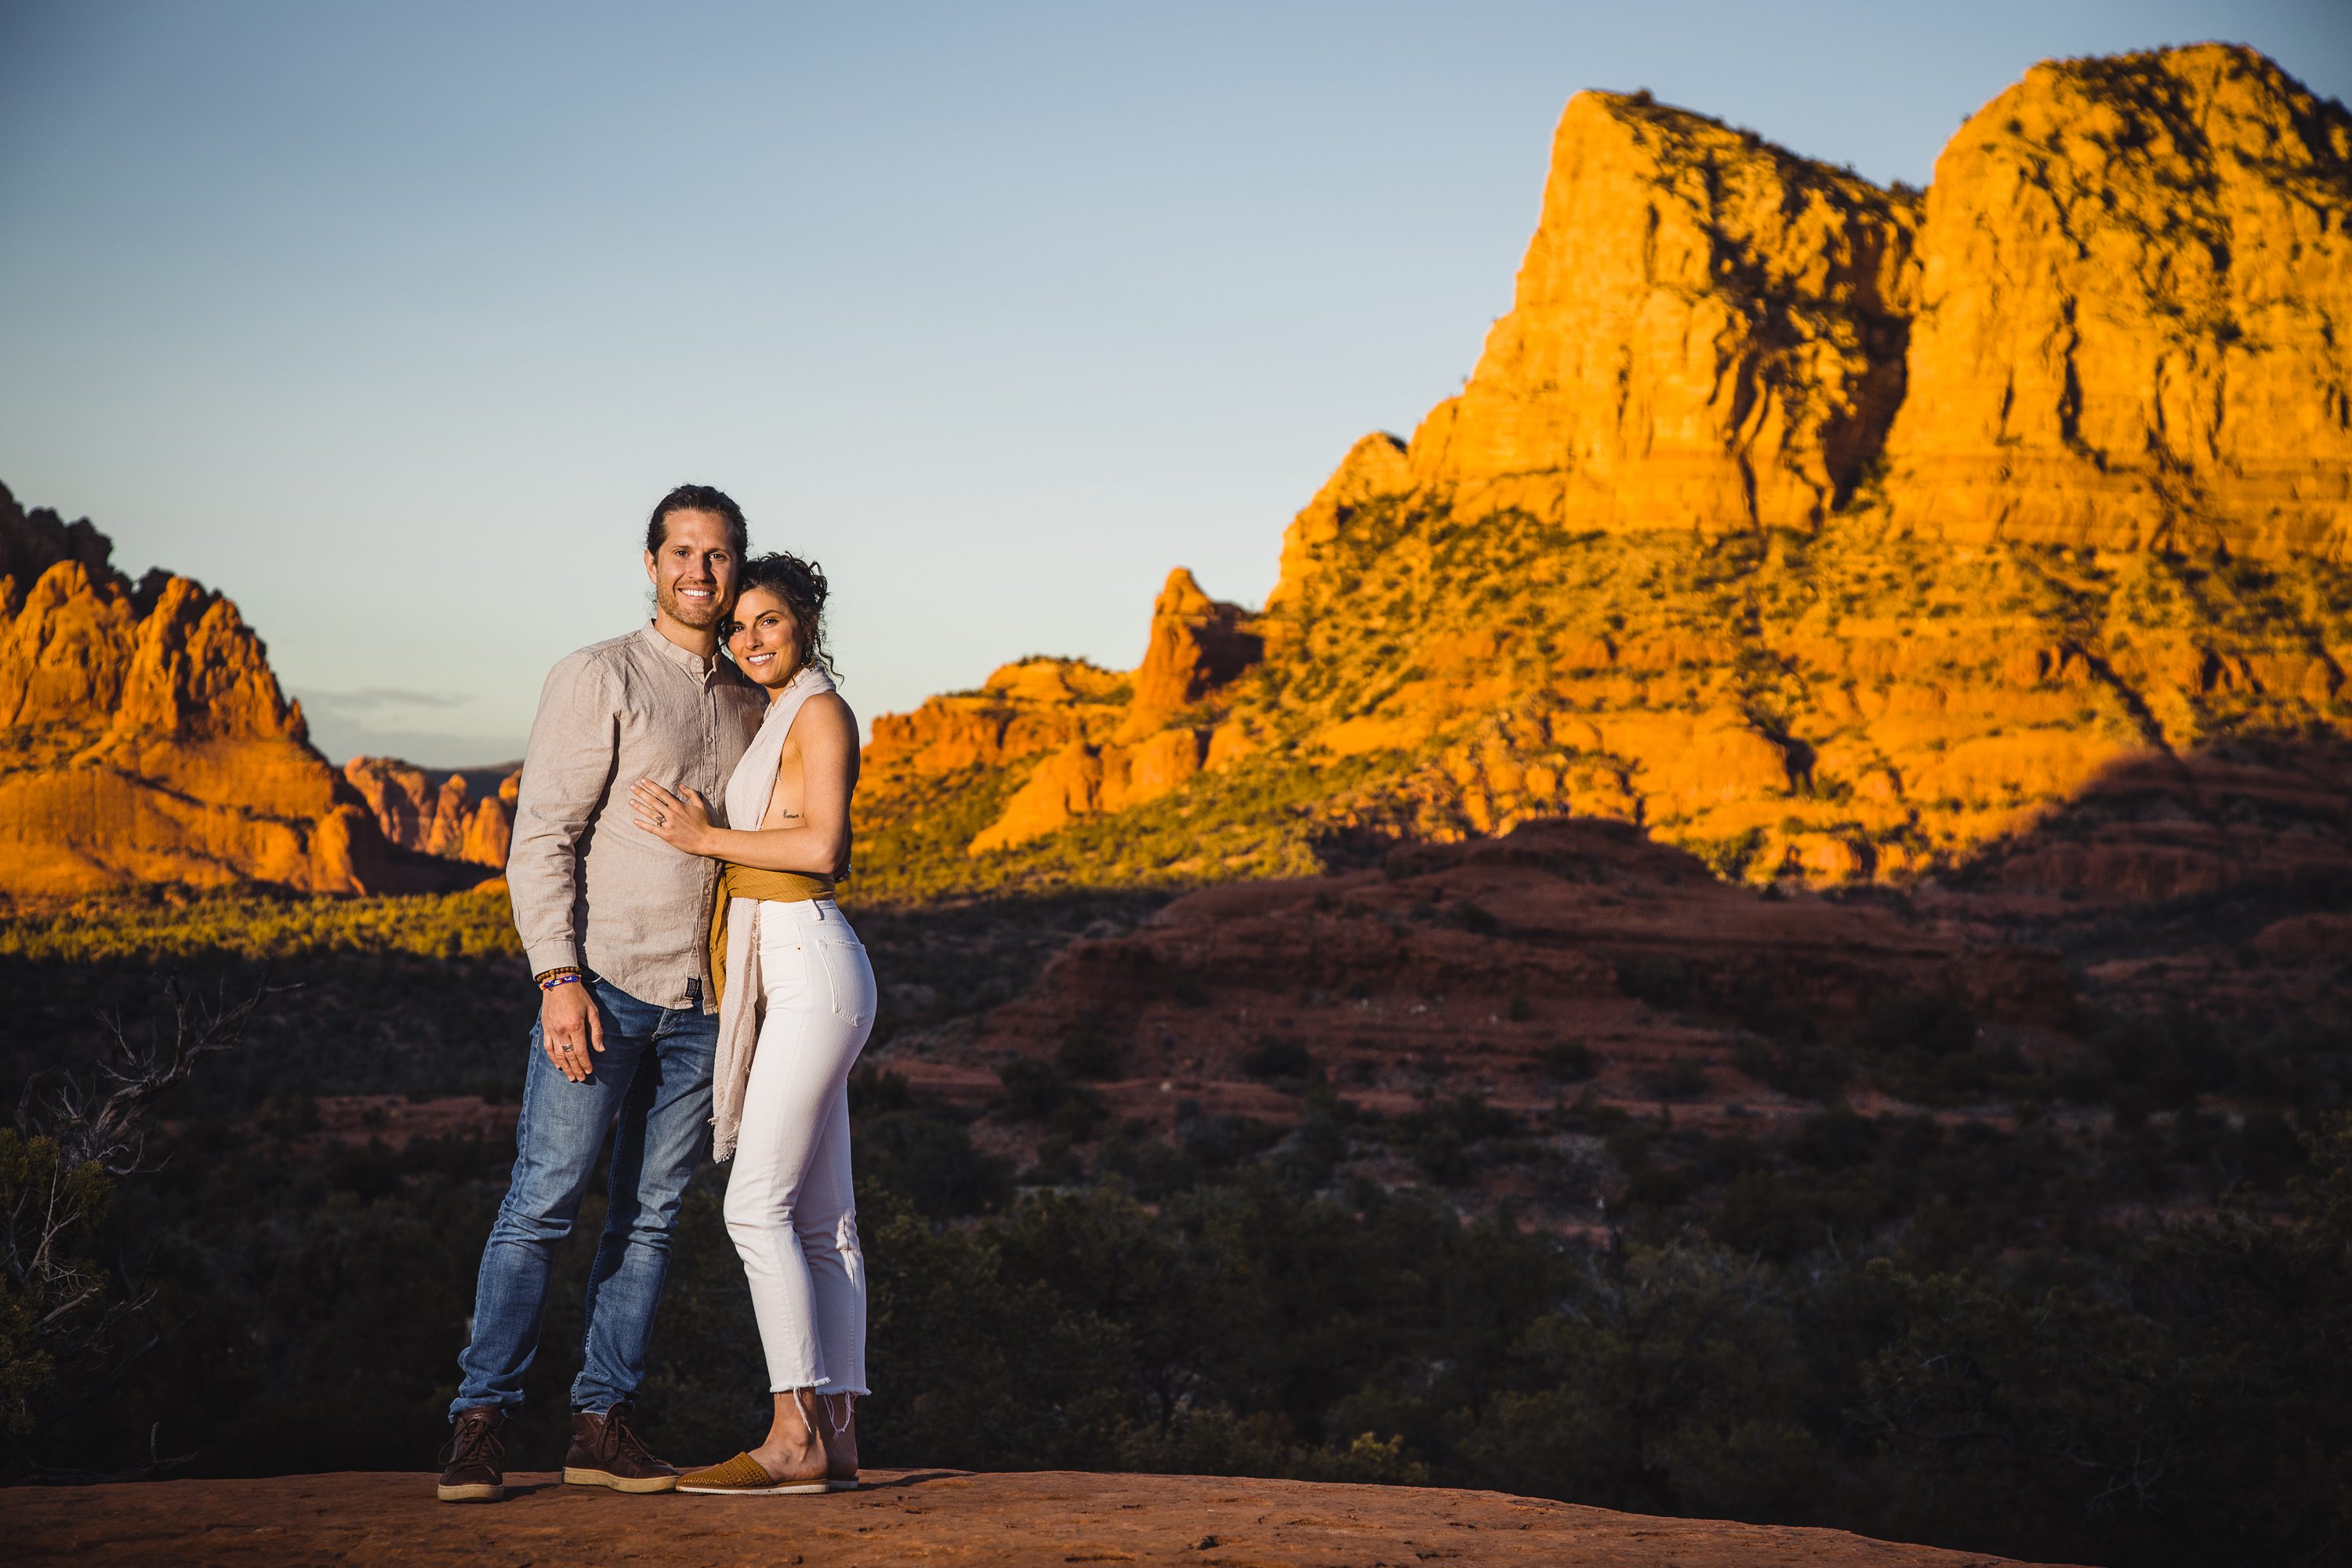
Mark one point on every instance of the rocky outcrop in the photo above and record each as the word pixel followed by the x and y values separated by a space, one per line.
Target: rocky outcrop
pixel 1094 740
pixel 1197 647
pixel 1024 709
pixel 2134 320
pixel 399 795
pixel 934 1515
pixel 144 737
pixel 1707 334
pixel 438 812
pixel 1197 644
pixel 2120 320
pixel 1824 531
pixel 1374 469
pixel 1082 780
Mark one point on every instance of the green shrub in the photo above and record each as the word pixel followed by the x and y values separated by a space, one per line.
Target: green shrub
pixel 1660 979
pixel 1569 1061
pixel 1679 1079
pixel 1279 1056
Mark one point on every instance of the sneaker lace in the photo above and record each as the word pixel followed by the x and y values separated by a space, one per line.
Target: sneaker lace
pixel 473 1441
pixel 625 1437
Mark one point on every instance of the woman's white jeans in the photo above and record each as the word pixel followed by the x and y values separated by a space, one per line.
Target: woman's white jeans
pixel 789 1203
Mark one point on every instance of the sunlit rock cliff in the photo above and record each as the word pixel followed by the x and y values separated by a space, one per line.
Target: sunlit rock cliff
pixel 2135 284
pixel 143 737
pixel 1824 531
pixel 455 815
pixel 1707 334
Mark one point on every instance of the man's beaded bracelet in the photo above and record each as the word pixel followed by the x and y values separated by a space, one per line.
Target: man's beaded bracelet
pixel 555 977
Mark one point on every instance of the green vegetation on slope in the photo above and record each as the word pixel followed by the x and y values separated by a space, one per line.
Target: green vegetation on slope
pixel 1966 1332
pixel 160 923
pixel 1899 702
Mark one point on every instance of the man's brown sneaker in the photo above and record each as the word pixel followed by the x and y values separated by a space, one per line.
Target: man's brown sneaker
pixel 607 1452
pixel 470 1470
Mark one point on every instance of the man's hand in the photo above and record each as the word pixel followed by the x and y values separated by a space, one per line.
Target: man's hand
pixel 570 1027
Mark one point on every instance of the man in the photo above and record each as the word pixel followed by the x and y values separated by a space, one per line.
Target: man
pixel 614 924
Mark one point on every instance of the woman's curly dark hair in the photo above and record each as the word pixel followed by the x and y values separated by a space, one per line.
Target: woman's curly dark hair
pixel 801 586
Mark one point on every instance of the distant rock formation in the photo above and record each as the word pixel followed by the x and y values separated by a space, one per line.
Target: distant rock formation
pixel 1197 644
pixel 1707 334
pixel 2134 313
pixel 437 812
pixel 1036 705
pixel 143 738
pixel 2118 319
pixel 1827 531
pixel 1113 740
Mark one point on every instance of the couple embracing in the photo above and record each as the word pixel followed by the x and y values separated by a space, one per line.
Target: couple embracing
pixel 683 816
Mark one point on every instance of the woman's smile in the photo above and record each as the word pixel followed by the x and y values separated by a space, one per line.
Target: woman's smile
pixel 765 630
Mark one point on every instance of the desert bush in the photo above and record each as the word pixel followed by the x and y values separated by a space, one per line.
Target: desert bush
pixel 162 924
pixel 1681 1078
pixel 1036 1092
pixel 68 1326
pixel 1089 1049
pixel 1279 1056
pixel 1801 1069
pixel 1660 979
pixel 1442 1136
pixel 1569 1061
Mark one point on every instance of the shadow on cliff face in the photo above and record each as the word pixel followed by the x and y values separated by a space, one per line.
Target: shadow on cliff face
pixel 2181 928
pixel 2264 814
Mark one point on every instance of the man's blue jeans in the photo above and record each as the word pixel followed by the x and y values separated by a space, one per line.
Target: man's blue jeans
pixel 654 1079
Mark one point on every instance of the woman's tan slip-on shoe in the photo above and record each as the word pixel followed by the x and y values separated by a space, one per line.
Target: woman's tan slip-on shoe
pixel 741 1475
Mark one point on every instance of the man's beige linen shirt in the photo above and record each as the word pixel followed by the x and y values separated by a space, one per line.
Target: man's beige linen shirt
pixel 591 888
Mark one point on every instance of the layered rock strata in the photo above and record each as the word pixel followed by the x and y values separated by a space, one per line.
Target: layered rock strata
pixel 1469 964
pixel 1707 334
pixel 144 737
pixel 2134 313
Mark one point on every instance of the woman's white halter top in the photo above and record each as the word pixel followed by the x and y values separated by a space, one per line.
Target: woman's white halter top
pixel 753 784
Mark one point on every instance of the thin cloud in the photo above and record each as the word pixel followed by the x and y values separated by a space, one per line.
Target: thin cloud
pixel 374 699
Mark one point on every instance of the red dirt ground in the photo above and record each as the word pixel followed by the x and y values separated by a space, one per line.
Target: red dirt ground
pixel 903 1516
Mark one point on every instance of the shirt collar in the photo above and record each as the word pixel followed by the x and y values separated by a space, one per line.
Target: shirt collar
pixel 693 664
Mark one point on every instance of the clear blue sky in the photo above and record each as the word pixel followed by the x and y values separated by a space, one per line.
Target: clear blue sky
pixel 391 321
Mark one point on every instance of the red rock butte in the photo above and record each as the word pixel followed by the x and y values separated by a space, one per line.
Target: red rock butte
pixel 144 737
pixel 1829 531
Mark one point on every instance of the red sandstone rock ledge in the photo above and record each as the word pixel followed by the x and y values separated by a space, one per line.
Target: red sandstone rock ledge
pixel 903 1516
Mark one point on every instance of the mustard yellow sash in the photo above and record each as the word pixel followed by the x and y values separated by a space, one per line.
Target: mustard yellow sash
pixel 750 882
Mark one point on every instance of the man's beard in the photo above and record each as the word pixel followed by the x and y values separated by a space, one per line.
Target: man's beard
pixel 701 618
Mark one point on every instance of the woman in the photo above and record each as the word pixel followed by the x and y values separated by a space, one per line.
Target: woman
pixel 796 1003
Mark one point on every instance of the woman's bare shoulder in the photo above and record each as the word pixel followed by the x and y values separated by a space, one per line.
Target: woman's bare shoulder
pixel 825 714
